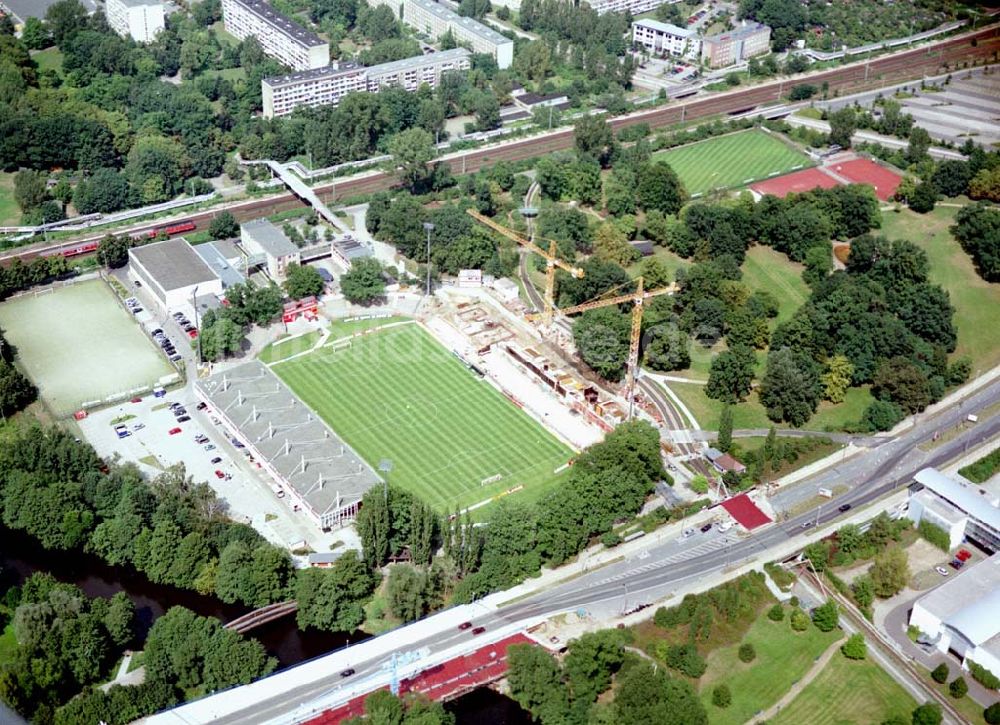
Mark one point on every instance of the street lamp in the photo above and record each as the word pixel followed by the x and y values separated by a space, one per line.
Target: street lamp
pixel 428 227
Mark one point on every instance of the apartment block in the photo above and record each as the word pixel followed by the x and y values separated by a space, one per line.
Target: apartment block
pixel 737 45
pixel 326 86
pixel 434 19
pixel 140 20
pixel 665 39
pixel 635 7
pixel 284 40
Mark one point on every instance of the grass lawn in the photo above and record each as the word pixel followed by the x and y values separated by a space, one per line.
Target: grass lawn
pixel 783 657
pixel 288 346
pixel 970 709
pixel 732 161
pixel 8 643
pixel 766 269
pixel 229 74
pixel 48 59
pixel 10 213
pixel 670 260
pixel 976 302
pixel 224 36
pixel 848 691
pixel 400 395
pixel 343 328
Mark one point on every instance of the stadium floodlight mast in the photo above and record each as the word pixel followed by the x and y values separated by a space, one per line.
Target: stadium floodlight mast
pixel 428 227
pixel 385 466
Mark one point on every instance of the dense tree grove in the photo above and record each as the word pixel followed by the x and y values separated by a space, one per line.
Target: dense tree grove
pixel 977 228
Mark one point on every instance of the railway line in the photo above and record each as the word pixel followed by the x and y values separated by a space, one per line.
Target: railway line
pixel 864 75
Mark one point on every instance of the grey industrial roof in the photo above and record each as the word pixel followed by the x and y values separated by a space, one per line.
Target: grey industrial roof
pixel 217 260
pixel 971 499
pixel 418 61
pixel 473 26
pixel 173 263
pixel 741 32
pixel 969 601
pixel 323 470
pixel 289 27
pixel 666 28
pixel 270 238
pixel 351 248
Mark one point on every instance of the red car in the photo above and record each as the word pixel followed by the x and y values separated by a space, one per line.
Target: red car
pixel 174 431
pixel 219 474
pixel 136 400
pixel 478 630
pixel 465 625
pixel 192 334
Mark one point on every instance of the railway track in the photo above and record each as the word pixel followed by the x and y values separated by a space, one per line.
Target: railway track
pixel 865 75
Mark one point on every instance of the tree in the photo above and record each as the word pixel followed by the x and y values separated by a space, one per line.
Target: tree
pixel 731 375
pixel 412 151
pixel 855 648
pixel 611 245
pixel 924 197
pixel 901 382
pixel 843 124
pixel 16 391
pixel 223 226
pixel 992 714
pixel 747 653
pixel 593 138
pixel 592 660
pixel 940 673
pixel 303 281
pixel 791 386
pixel 881 415
pixel 890 572
pixel 333 599
pixel 645 695
pixel 825 616
pixel 363 284
pixel 487 112
pixel 30 189
pixel 951 177
pixel 219 336
pixel 837 378
pixel 958 688
pixel 927 714
pixel 65 18
pixel 659 188
pixel 602 338
pixel 35 35
pixel 407 592
pixel 986 184
pixel 668 349
pixel 977 228
pixel 916 149
pixel 105 191
pixel 535 681
pixel 721 696
pixel 776 613
pixel 725 439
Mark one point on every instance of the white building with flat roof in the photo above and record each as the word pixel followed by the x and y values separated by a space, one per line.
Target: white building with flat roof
pixel 636 7
pixel 264 241
pixel 435 19
pixel 962 615
pixel 327 86
pixel 963 510
pixel 140 20
pixel 173 272
pixel 666 39
pixel 281 38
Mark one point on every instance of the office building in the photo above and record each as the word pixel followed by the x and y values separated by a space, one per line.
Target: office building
pixel 737 45
pixel 435 19
pixel 963 510
pixel 284 40
pixel 139 19
pixel 266 245
pixel 665 39
pixel 327 86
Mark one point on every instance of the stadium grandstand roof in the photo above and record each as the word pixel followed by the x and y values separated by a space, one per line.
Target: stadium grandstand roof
pixel 306 453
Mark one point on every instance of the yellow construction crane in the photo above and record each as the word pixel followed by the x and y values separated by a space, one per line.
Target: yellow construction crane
pixel 551 260
pixel 637 299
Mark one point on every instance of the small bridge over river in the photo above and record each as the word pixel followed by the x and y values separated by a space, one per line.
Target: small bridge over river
pixel 261 616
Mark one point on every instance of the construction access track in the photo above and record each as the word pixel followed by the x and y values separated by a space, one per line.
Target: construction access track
pixel 952 54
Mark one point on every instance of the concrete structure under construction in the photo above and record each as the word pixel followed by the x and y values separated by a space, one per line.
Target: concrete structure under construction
pixel 309 465
pixel 327 86
pixel 281 38
pixel 436 19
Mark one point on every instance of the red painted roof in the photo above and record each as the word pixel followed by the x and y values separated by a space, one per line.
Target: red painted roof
pixel 745 512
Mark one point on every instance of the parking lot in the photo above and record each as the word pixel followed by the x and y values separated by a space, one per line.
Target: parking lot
pixel 156 437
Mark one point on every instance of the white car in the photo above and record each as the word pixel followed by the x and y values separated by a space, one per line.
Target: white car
pixel 688 533
pixel 724 526
pixel 138 426
pixel 941 570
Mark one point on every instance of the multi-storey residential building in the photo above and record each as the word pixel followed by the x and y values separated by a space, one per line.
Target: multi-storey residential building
pixel 282 39
pixel 666 39
pixel 326 86
pixel 139 19
pixel 435 20
pixel 736 45
pixel 633 6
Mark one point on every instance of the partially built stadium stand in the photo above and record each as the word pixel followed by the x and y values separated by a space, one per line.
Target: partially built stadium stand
pixel 306 460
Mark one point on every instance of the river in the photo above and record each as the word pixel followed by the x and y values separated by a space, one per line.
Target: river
pixel 21 556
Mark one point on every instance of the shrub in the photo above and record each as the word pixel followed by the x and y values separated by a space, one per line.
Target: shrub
pixel 610 539
pixel 793 602
pixel 983 676
pixel 958 688
pixel 699 484
pixel 825 616
pixel 855 648
pixel 927 714
pixel 685 659
pixel 721 696
pixel 799 620
pixel 934 534
pixel 747 653
pixel 940 673
pixel 776 613
pixel 992 714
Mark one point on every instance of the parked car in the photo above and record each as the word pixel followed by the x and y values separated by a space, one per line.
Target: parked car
pixel 157 331
pixel 706 528
pixel 219 474
pixel 138 426
pixel 807 524
pixel 201 406
pixel 174 431
pixel 177 315
pixel 184 419
pixel 844 508
pixel 216 460
pixel 123 433
pixel 941 570
pixel 688 533
pixel 478 630
pixel 136 400
pixel 175 357
pixel 465 625
pixel 347 673
pixel 210 447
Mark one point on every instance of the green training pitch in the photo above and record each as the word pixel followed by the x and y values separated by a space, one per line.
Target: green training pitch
pixel 731 161
pixel 453 438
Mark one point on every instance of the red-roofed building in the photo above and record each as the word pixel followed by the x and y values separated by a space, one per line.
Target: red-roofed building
pixel 745 512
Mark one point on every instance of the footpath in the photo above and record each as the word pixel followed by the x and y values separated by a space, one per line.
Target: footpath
pixel 811 675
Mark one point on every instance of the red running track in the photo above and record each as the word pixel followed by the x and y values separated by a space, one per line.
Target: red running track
pixel 441 682
pixel 863 171
pixel 795 183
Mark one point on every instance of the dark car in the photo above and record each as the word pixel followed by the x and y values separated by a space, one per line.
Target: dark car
pixel 201 406
pixel 478 630
pixel 706 528
pixel 217 459
pixel 184 419
pixel 348 672
pixel 465 625
pixel 156 332
pixel 844 508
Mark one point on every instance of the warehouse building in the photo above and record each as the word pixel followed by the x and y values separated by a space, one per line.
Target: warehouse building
pixel 327 86
pixel 735 46
pixel 309 465
pixel 140 20
pixel 284 40
pixel 435 19
pixel 666 39
pixel 965 511
pixel 173 273
pixel 962 615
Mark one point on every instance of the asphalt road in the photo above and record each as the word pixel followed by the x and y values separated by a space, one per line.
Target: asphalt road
pixel 663 567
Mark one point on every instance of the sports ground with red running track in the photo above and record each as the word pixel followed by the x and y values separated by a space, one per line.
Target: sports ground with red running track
pixel 855 171
pixel 442 681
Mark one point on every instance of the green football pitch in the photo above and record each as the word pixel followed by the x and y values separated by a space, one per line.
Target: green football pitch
pixel 453 438
pixel 731 161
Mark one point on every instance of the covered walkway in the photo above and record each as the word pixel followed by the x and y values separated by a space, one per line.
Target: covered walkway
pixel 302 190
